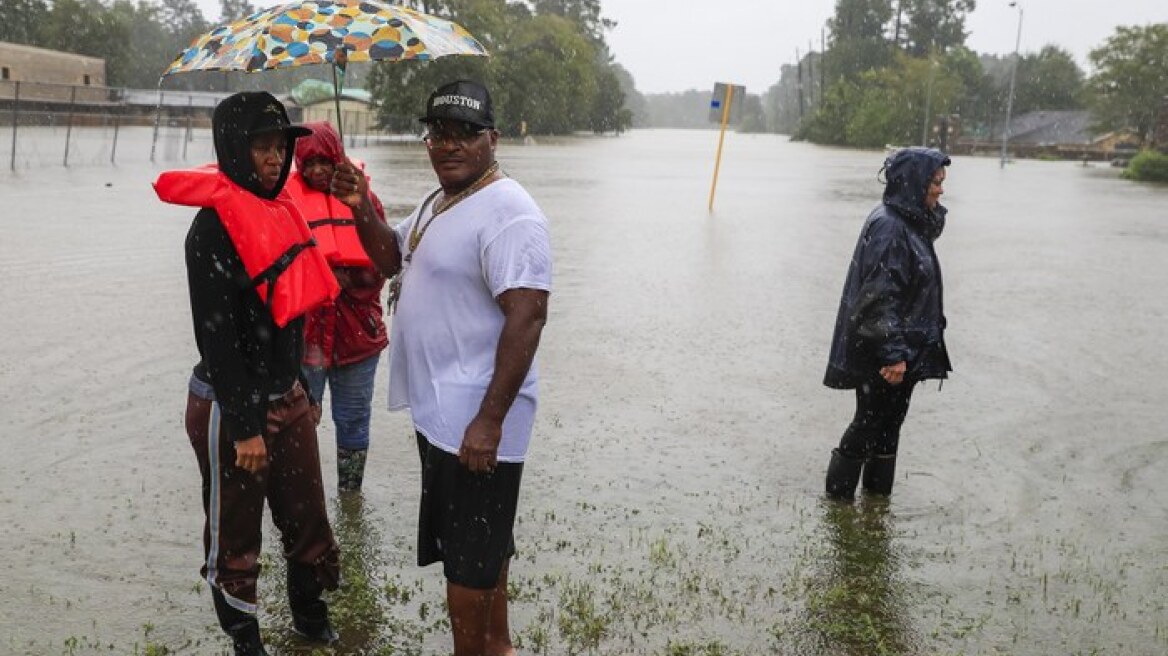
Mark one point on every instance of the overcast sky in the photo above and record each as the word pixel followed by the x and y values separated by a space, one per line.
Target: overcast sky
pixel 674 45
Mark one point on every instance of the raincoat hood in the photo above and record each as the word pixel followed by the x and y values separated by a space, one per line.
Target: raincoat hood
pixel 908 172
pixel 236 120
pixel 323 142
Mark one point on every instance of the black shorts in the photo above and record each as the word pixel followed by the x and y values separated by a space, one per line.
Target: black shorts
pixel 466 518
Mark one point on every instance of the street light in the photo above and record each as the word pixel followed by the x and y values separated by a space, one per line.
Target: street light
pixel 1013 76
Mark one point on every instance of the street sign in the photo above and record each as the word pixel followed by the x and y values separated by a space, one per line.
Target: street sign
pixel 719 99
pixel 725 108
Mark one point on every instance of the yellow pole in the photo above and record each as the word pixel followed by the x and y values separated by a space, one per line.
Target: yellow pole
pixel 721 138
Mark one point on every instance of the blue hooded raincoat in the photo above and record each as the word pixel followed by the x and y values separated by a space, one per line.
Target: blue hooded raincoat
pixel 891 309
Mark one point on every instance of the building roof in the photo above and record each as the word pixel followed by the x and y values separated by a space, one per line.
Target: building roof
pixel 311 92
pixel 172 98
pixel 45 52
pixel 1051 128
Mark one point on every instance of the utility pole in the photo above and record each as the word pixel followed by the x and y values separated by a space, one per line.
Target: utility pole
pixel 928 100
pixel 799 82
pixel 1013 77
pixel 896 34
pixel 822 58
pixel 811 74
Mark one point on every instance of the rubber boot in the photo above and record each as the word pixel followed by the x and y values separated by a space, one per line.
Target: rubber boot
pixel 243 628
pixel 843 474
pixel 310 617
pixel 350 469
pixel 880 474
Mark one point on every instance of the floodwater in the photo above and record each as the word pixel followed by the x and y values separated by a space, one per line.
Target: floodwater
pixel 672 503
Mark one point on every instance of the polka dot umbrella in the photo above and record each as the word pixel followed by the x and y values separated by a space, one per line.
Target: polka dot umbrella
pixel 325 31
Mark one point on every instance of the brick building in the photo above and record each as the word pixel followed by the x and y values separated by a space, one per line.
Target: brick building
pixel 51 75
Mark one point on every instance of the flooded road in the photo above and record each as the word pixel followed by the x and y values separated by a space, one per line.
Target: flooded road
pixel 673 499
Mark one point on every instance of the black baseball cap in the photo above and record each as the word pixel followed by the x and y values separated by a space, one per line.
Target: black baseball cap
pixel 462 100
pixel 272 117
pixel 237 119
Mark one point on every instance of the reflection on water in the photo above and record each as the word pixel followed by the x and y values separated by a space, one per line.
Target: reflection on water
pixel 360 604
pixel 857 603
pixel 358 607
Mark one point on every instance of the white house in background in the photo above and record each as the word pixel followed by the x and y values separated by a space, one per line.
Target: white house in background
pixel 312 100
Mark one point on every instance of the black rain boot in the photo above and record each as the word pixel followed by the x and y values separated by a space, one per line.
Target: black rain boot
pixel 880 474
pixel 243 628
pixel 843 474
pixel 310 617
pixel 350 469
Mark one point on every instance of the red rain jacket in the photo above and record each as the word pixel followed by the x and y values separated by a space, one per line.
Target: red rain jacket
pixel 352 328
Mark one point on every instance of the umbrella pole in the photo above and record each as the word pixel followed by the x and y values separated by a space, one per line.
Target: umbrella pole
pixel 339 62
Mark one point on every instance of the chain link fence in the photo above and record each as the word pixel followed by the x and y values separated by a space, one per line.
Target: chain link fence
pixel 45 125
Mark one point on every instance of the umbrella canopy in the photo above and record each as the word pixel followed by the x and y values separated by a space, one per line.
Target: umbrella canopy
pixel 325 31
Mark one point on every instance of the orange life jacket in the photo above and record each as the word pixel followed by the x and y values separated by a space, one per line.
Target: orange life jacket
pixel 331 222
pixel 278 252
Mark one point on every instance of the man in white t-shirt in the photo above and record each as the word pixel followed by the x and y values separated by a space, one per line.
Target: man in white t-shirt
pixel 475 264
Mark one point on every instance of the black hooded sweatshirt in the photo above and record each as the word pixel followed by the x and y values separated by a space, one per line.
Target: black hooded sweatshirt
pixel 246 357
pixel 891 309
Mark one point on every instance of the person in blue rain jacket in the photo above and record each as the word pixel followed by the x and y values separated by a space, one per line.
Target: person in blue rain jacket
pixel 890 329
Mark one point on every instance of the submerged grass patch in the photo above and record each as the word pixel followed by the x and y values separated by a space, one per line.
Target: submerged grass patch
pixel 835 579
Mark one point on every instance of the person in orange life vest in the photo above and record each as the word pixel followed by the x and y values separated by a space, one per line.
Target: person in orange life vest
pixel 343 340
pixel 253 272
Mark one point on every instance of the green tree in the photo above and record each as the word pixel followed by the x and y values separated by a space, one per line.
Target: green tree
pixel 182 18
pixel 1131 79
pixel 21 20
pixel 935 24
pixel 634 100
pixel 858 43
pixel 1048 80
pixel 886 106
pixel 609 113
pixel 87 27
pixel 547 73
pixel 893 102
pixel 233 10
pixel 585 13
pixel 547 77
pixel 150 48
pixel 829 124
pixel 982 99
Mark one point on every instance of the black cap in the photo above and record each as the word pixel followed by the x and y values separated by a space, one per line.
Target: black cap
pixel 462 100
pixel 272 117
pixel 237 119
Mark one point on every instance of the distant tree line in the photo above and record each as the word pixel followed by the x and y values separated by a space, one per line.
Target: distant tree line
pixel 891 66
pixel 887 63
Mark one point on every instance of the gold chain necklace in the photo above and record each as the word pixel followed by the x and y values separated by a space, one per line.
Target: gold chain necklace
pixel 416 235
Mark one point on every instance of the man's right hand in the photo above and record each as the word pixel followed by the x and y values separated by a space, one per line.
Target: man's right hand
pixel 251 454
pixel 349 184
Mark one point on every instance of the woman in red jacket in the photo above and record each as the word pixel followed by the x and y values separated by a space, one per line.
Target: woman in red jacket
pixel 344 339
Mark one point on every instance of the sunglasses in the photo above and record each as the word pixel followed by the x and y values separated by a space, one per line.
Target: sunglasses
pixel 461 133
